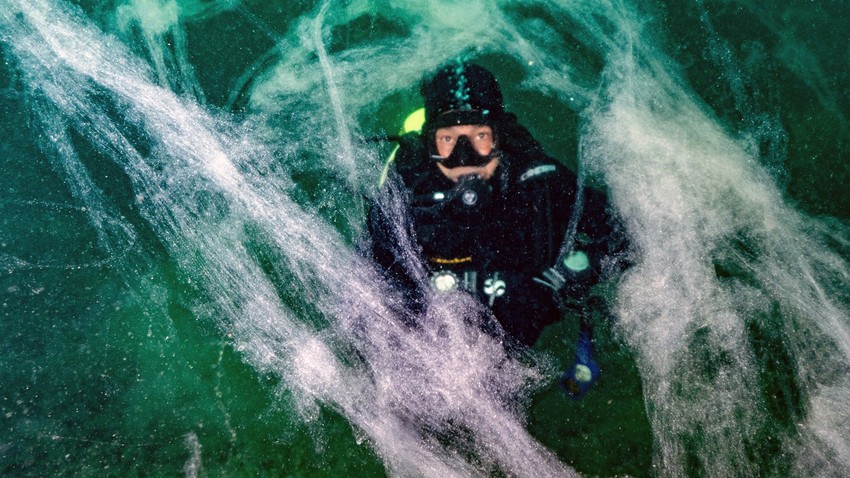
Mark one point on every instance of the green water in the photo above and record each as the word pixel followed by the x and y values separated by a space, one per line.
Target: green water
pixel 123 355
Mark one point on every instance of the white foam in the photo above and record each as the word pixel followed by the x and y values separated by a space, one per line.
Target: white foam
pixel 402 381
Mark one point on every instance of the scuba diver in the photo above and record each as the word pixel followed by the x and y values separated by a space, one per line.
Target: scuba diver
pixel 492 214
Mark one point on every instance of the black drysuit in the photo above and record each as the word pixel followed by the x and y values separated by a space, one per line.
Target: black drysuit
pixel 497 252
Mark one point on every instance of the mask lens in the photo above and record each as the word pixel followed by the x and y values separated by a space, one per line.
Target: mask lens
pixel 464 154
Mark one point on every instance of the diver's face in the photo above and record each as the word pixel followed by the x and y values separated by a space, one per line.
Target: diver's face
pixel 481 138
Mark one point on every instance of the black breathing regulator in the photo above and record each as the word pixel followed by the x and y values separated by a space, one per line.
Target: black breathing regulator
pixel 470 194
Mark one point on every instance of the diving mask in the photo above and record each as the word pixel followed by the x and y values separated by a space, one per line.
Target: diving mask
pixel 464 154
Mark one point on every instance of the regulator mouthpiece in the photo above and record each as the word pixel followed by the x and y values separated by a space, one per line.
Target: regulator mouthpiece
pixel 471 194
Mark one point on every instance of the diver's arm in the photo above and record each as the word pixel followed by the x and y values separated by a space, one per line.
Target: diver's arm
pixel 392 246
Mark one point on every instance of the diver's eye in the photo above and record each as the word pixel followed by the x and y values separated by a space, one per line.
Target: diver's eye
pixel 447 139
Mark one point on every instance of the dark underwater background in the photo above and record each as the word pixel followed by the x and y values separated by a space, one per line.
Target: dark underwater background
pixel 181 200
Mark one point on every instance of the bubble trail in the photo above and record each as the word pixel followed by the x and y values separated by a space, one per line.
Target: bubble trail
pixel 201 193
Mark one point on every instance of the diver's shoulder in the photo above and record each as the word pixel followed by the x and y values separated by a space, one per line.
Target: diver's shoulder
pixel 540 169
pixel 411 158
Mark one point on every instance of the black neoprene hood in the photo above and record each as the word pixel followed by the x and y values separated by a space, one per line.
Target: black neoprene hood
pixel 461 93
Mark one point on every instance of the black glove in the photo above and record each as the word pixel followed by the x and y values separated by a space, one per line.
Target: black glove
pixel 570 278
